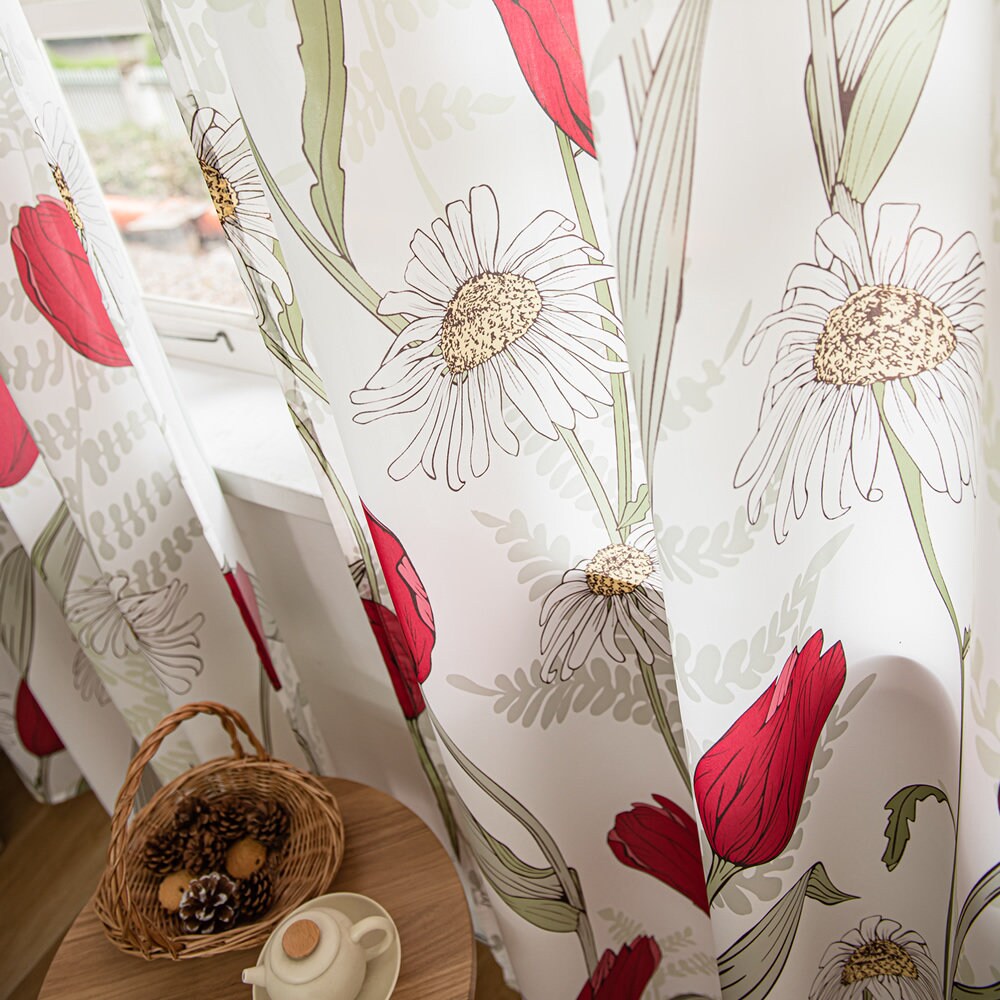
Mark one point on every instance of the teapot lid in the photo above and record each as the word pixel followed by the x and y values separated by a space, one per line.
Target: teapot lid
pixel 304 947
pixel 300 938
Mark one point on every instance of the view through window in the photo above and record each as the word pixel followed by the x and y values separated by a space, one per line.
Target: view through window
pixel 119 98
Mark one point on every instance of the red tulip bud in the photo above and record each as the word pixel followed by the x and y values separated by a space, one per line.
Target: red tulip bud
pixel 398 659
pixel 241 587
pixel 543 35
pixel 33 727
pixel 623 976
pixel 409 598
pixel 18 450
pixel 749 786
pixel 662 840
pixel 56 275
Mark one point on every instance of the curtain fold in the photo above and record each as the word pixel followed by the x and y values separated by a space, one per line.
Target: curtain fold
pixel 589 320
pixel 146 564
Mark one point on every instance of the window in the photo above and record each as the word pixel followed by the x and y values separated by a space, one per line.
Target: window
pixel 118 96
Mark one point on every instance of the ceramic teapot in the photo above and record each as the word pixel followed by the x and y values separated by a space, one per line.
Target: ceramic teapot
pixel 317 955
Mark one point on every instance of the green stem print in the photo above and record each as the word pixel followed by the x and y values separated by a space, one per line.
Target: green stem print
pixel 434 780
pixel 623 440
pixel 910 478
pixel 720 872
pixel 264 698
pixel 286 328
pixel 360 536
pixel 527 889
pixel 42 778
pixel 912 483
pixel 662 722
pixel 340 269
pixel 594 484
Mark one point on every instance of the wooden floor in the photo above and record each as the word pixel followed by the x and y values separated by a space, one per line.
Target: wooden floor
pixel 49 865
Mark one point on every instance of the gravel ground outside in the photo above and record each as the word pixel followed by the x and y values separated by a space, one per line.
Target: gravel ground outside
pixel 207 276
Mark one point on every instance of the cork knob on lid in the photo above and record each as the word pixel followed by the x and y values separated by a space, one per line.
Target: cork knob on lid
pixel 300 939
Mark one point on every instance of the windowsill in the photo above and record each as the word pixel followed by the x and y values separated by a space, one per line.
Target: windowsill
pixel 243 425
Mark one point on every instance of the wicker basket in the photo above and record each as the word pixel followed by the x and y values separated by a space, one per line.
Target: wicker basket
pixel 126 901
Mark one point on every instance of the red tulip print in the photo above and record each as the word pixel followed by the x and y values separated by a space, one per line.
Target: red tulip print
pixel 398 659
pixel 662 840
pixel 241 587
pixel 543 35
pixel 33 727
pixel 56 275
pixel 18 450
pixel 409 598
pixel 623 976
pixel 749 786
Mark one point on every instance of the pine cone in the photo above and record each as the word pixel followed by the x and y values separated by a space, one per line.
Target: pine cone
pixel 254 895
pixel 269 823
pixel 164 853
pixel 204 850
pixel 190 811
pixel 209 905
pixel 229 817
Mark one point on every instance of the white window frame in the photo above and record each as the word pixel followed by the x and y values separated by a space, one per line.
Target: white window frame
pixel 189 330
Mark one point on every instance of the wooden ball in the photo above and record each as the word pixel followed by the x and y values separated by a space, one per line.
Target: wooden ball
pixel 245 857
pixel 172 888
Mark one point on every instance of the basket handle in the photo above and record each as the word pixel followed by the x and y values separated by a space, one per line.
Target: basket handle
pixel 231 721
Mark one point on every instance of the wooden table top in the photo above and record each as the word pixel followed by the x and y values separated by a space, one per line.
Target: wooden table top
pixel 391 855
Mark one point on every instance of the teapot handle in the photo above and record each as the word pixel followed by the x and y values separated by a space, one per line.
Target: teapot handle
pixel 366 926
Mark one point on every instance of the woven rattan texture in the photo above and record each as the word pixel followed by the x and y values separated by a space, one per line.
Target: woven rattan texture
pixel 126 901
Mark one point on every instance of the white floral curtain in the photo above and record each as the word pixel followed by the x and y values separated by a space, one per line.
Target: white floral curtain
pixel 507 257
pixel 126 588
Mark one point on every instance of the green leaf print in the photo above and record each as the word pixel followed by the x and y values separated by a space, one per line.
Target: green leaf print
pixel 557 912
pixel 535 894
pixel 56 552
pixel 752 965
pixel 902 812
pixel 654 218
pixel 17 607
pixel 322 54
pixel 982 895
pixel 887 94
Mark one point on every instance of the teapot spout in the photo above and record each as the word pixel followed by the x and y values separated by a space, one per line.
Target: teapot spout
pixel 255 976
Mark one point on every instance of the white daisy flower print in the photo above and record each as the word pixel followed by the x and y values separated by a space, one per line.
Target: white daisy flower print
pixel 87 681
pixel 491 328
pixel 112 623
pixel 79 190
pixel 877 960
pixel 616 594
pixel 237 192
pixel 873 339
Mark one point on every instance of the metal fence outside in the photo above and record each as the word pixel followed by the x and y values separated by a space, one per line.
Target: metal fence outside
pixel 102 100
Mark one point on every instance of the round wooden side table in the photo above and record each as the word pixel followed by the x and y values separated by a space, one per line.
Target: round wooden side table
pixel 391 856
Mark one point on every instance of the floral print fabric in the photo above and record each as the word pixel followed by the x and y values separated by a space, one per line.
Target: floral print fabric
pixel 104 502
pixel 657 352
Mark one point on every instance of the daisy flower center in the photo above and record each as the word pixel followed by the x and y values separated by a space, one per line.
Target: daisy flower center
pixel 882 332
pixel 488 313
pixel 63 188
pixel 224 196
pixel 618 569
pixel 878 958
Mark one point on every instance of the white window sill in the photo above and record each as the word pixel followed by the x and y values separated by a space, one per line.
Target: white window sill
pixel 244 428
